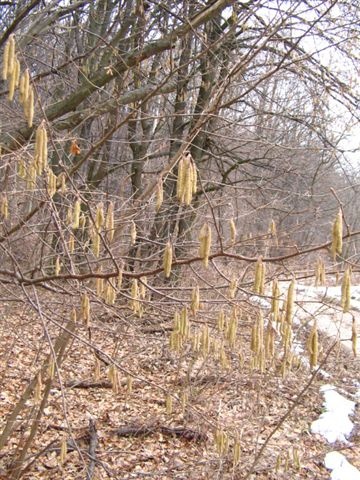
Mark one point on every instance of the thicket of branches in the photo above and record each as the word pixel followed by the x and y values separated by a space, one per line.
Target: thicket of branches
pixel 131 131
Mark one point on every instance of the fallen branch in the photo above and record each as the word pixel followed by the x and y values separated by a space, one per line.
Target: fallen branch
pixel 145 430
pixel 88 384
pixel 85 384
pixel 157 329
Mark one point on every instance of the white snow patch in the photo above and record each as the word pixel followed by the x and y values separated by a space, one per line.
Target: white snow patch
pixel 262 302
pixel 341 468
pixel 334 424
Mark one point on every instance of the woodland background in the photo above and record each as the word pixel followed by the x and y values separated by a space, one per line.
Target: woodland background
pixel 262 98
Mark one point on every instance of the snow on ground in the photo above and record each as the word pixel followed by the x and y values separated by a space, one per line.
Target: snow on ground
pixel 334 423
pixel 341 468
pixel 323 304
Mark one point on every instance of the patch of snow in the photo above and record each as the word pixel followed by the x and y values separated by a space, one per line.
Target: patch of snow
pixel 341 468
pixel 260 301
pixel 334 424
pixel 297 349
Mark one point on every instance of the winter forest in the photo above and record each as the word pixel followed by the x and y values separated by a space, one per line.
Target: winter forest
pixel 179 239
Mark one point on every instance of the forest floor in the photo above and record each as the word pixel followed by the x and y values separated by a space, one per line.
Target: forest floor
pixel 134 433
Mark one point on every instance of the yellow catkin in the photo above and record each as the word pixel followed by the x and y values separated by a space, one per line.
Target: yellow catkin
pixel 134 293
pixel 290 300
pixel 169 404
pixel 187 182
pixel 287 337
pixel 14 79
pixel 221 321
pixel 85 309
pixel 346 290
pixel 231 328
pixel 194 178
pixel 5 62
pixel 263 275
pixel 275 301
pixel 143 287
pixel 337 233
pixel 205 341
pixel 76 214
pixel 27 86
pixel 11 56
pixel 167 260
pixel 51 183
pixel 82 221
pixel 205 243
pixel 17 73
pixel 21 170
pixel 133 233
pixel 254 338
pixel 233 288
pixel 296 458
pixel 57 266
pixel 69 215
pixel 317 273
pixel 41 152
pixel 29 107
pixel 272 228
pixel 180 182
pixel 96 242
pixel 21 88
pixel 31 176
pixel 221 442
pixel 73 315
pixel 63 450
pixel 38 149
pixel 195 300
pixel 44 147
pixel 24 88
pixel 192 181
pixel 259 282
pixel 187 179
pixel 110 294
pixel 51 369
pixel 114 378
pixel 4 206
pixel 313 346
pixel 159 195
pixel 62 183
pixel 270 341
pixel 354 338
pixel 196 342
pixel 184 324
pixel 71 244
pixel 99 286
pixel 223 358
pixel 236 452
pixel 99 216
pixel 233 232
pixel 109 222
pixel 320 276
